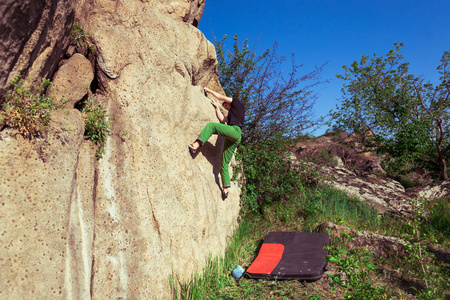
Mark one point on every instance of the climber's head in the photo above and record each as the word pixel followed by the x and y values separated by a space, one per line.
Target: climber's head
pixel 227 105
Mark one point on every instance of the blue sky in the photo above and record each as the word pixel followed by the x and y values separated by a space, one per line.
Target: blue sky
pixel 337 33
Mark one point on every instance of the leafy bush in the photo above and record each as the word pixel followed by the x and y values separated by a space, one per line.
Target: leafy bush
pixel 268 173
pixel 97 123
pixel 403 116
pixel 421 263
pixel 357 265
pixel 27 110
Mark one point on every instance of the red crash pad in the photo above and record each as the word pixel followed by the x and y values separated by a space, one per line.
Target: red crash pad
pixel 291 255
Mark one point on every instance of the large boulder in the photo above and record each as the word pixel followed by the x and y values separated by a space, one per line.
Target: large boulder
pixel 158 211
pixel 435 191
pixel 119 227
pixel 72 81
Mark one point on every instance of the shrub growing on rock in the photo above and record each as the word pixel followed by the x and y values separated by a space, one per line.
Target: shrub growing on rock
pixel 27 110
pixel 97 124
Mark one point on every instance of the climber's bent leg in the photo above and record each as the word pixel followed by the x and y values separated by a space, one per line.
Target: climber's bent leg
pixel 231 132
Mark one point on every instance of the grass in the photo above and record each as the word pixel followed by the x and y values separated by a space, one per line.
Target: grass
pixel 379 278
pixel 314 206
pixel 439 220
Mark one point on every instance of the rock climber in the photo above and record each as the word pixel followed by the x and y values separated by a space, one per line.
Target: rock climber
pixel 230 131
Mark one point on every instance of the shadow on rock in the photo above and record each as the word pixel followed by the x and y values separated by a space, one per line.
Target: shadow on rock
pixel 213 153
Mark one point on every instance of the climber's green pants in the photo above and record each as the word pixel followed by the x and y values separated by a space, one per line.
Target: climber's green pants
pixel 232 135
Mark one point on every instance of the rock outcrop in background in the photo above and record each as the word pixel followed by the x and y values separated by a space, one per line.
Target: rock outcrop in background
pixel 349 168
pixel 119 227
pixel 340 162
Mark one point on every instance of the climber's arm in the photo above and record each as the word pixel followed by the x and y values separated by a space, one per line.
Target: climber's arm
pixel 219 96
pixel 219 113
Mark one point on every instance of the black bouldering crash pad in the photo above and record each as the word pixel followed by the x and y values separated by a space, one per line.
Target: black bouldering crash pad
pixel 291 255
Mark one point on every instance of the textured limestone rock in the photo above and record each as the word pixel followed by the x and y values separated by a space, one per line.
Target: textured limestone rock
pixel 78 227
pixel 383 193
pixel 37 185
pixel 189 11
pixel 72 80
pixel 435 191
pixel 34 36
pixel 168 216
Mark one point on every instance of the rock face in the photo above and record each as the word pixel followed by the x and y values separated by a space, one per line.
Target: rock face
pixel 349 168
pixel 38 185
pixel 34 36
pixel 379 245
pixel 342 163
pixel 434 191
pixel 119 227
pixel 189 11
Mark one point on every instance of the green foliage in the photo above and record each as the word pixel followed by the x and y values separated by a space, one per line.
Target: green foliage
pixel 275 101
pixel 278 108
pixel 97 124
pixel 439 219
pixel 398 113
pixel 27 110
pixel 358 274
pixel 435 279
pixel 357 266
pixel 215 280
pixel 268 173
pixel 81 38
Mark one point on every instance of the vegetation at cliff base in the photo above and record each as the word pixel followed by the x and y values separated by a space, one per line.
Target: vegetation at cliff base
pixel 268 175
pixel 354 272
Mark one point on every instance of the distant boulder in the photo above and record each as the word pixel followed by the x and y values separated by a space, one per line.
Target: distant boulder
pixel 379 245
pixel 344 164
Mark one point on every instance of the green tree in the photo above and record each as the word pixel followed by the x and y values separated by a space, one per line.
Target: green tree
pixel 275 101
pixel 396 112
pixel 279 107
